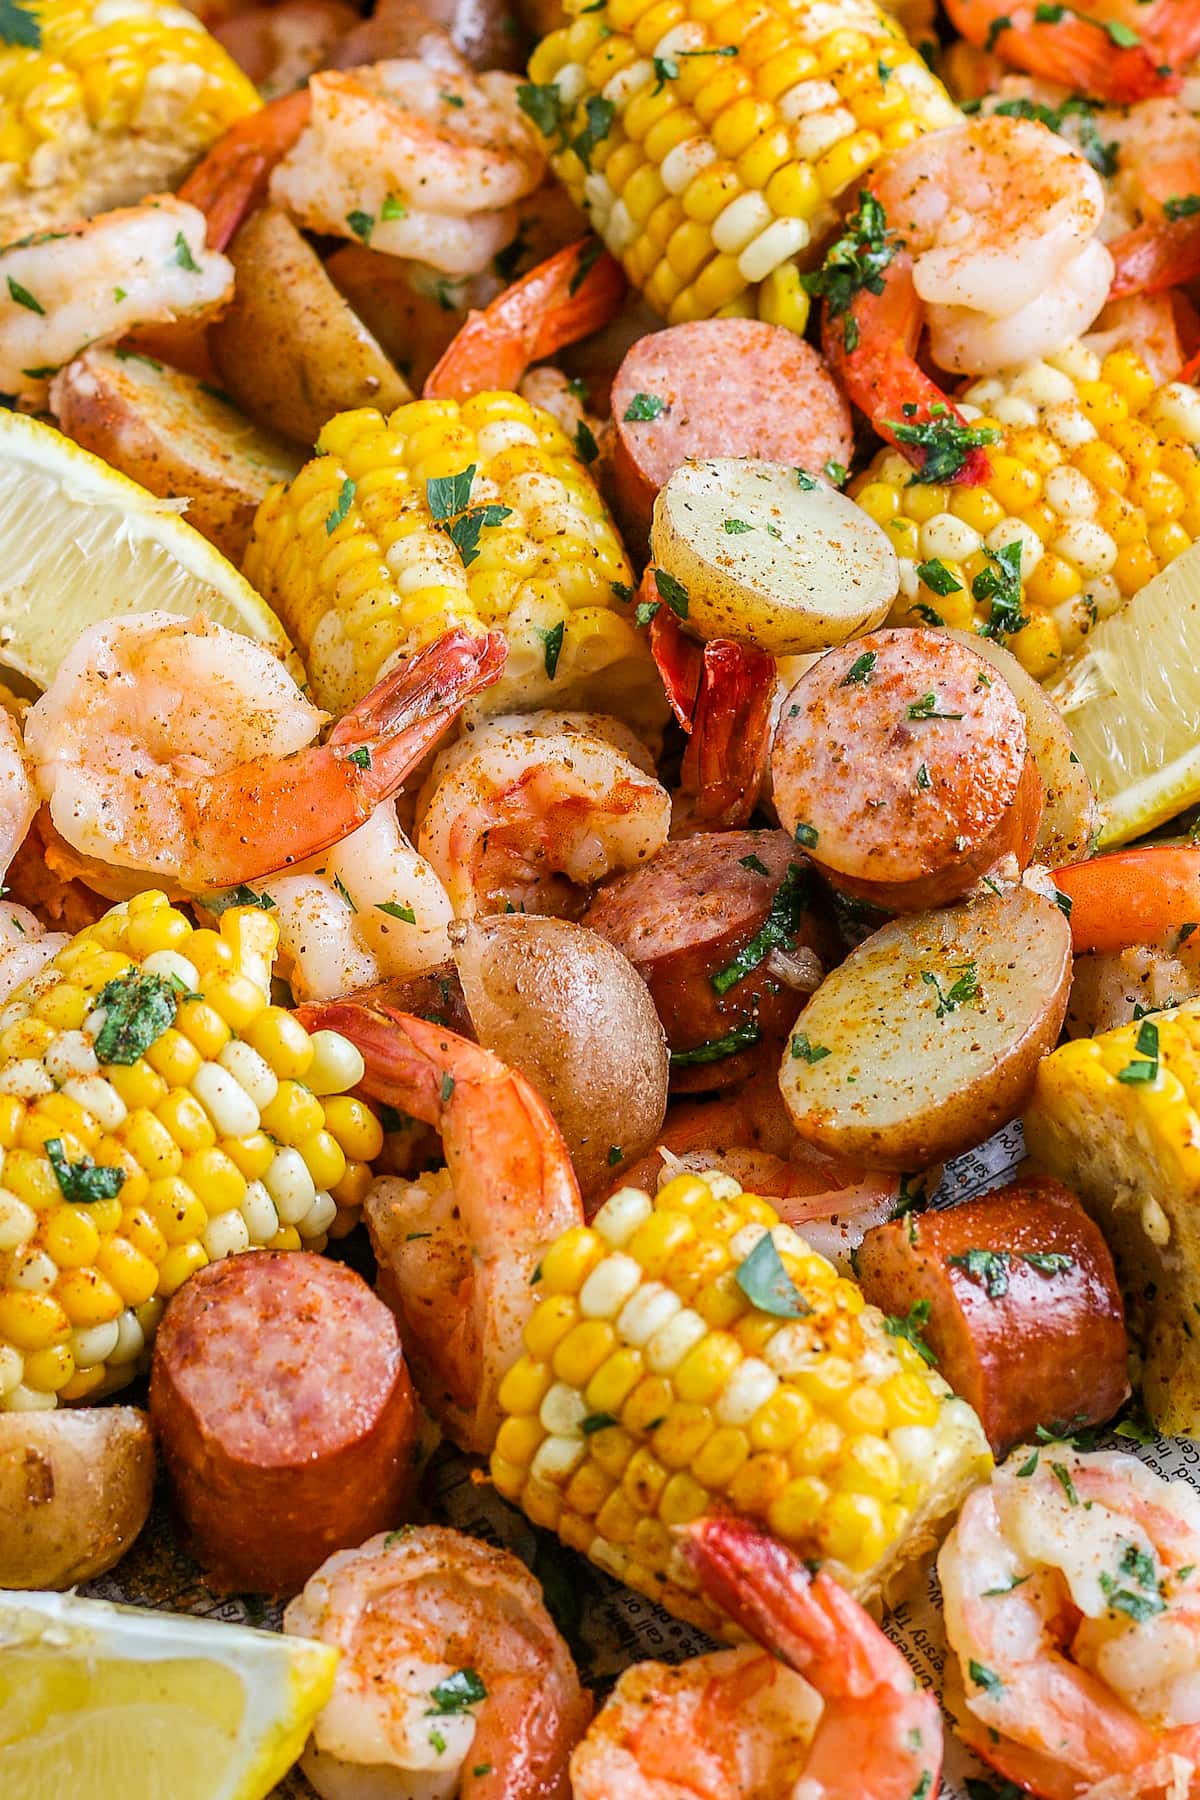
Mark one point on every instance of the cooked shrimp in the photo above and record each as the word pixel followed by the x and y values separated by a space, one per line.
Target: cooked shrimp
pixel 1071 1584
pixel 456 1249
pixel 177 747
pixel 451 1676
pixel 416 166
pixel 828 1710
pixel 1158 179
pixel 18 799
pixel 63 290
pixel 25 946
pixel 992 228
pixel 1118 50
pixel 532 811
pixel 722 694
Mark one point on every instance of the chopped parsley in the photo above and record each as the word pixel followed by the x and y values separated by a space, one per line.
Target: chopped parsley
pixel 988 1269
pixel 1000 584
pixel 929 614
pixel 541 103
pixel 1048 1262
pixel 1185 206
pixel 552 643
pixel 806 835
pixel 923 780
pixel 84 1181
pixel 341 506
pixel 939 580
pixel 394 208
pixel 805 1051
pixel 1063 902
pixel 23 297
pixel 361 758
pixel 859 672
pixel 437 1740
pixel 615 1153
pixel 394 910
pixel 448 497
pixel 767 1284
pixel 735 527
pixel 345 893
pixel 644 407
pixel 1145 1065
pixel 588 258
pixel 945 442
pixel 778 929
pixel 586 447
pixel 835 471
pixel 985 1678
pixel 138 1008
pixel 458 1692
pixel 451 99
pixel 961 992
pixel 754 863
pixel 927 708
pixel 597 1422
pixel 1029 1466
pixel 805 481
pixel 19 26
pixel 717 1049
pixel 854 265
pixel 1062 1475
pixel 645 611
pixel 447 1087
pixel 600 114
pixel 362 224
pixel 910 1328
pixel 183 255
pixel 1123 36
pixel 673 592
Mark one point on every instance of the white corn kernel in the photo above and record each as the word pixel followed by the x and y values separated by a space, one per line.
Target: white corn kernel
pixel 789 1350
pixel 1175 411
pixel 686 36
pixel 1068 425
pixel 225 1100
pixel 790 1243
pixel 984 393
pixel 25 1080
pixel 622 228
pixel 721 1186
pixel 910 581
pixel 740 222
pixel 914 1445
pixel 610 1284
pixel 808 97
pixel 1105 596
pixel 251 1071
pixel 1010 409
pixel 172 967
pixel 557 1458
pixel 1043 384
pixel 1014 531
pixel 131 1340
pixel 816 133
pixel 1088 546
pixel 98 1097
pixel 749 1387
pixel 571 82
pixel 680 166
pixel 30 1272
pixel 621 1215
pixel 318 1218
pixel 336 1064
pixel 258 1210
pixel 12 1367
pixel 18 1222
pixel 650 1309
pixel 563 1411
pixel 290 1186
pixel 947 538
pixel 70 1054
pixel 13 1013
pixel 226 1234
pixel 27 1399
pixel 782 239
pixel 1070 494
pixel 621 87
pixel 669 1345
pixel 94 1344
pixel 1076 360
pixel 744 1240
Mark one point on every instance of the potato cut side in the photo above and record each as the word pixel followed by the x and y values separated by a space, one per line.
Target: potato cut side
pixel 928 1036
pixel 772 555
pixel 75 1489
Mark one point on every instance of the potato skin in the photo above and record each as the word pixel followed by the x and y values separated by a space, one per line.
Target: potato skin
pixel 290 350
pixel 75 1489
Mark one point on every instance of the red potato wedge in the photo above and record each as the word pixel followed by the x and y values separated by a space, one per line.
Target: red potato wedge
pixel 928 1036
pixel 75 1489
pixel 1025 1315
pixel 290 350
pixel 176 435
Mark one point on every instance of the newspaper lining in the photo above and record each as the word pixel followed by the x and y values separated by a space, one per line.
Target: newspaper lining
pixel 608 1626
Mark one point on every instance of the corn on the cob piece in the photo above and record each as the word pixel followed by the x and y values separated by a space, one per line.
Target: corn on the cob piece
pixel 156 1114
pixel 653 1389
pixel 710 144
pixel 1118 1117
pixel 1095 476
pixel 476 514
pixel 101 104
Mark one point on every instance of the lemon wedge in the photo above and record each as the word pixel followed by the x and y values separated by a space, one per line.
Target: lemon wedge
pixel 80 542
pixel 100 1701
pixel 1131 698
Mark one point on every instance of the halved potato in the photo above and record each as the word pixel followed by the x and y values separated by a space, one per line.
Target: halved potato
pixel 1072 818
pixel 772 556
pixel 927 1037
pixel 290 350
pixel 75 1488
pixel 180 437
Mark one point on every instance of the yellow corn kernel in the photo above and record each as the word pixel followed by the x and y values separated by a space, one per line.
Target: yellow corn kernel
pixel 253 1155
pixel 1052 581
pixel 1158 496
pixel 69 1237
pixel 1038 646
pixel 282 1041
pixel 31 1321
pixel 578 1356
pixel 186 1120
pixel 48 1371
pixel 909 1401
pixel 781 1420
pixel 1103 465
pixel 704 1371
pixel 293 1115
pixel 1136 564
pixel 31 1178
pixel 922 502
pixel 180 1261
pixel 175 1209
pixel 87 1298
pixel 137 1084
pixel 150 1144
pixel 352 1189
pixel 64 1006
pixel 355 1127
pixel 1169 539
pixel 518 1439
pixel 1125 371
pixel 798 1508
pixel 214 1178
pixel 976 507
pixel 852 1528
pixel 204 1026
pixel 162 929
pixel 551 1322
pixel 174 1057
pixel 760 1479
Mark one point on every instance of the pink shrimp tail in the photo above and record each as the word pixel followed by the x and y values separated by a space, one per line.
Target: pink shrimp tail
pixel 1077 52
pixel 1155 256
pixel 231 182
pixel 721 693
pixel 405 1056
pixel 405 714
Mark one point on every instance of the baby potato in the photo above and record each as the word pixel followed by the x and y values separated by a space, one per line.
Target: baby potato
pixel 561 1004
pixel 75 1488
pixel 771 556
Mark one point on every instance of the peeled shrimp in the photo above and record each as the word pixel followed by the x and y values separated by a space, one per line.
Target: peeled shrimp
pixel 182 749
pixel 1071 1584
pixel 1118 50
pixel 456 1249
pixel 451 1678
pixel 532 811
pixel 828 1710
pixel 416 165
pixel 63 290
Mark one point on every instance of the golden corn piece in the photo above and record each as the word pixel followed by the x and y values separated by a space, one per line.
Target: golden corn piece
pixel 106 107
pixel 475 513
pixel 1118 1117
pixel 1095 476
pixel 654 1389
pixel 714 146
pixel 156 1113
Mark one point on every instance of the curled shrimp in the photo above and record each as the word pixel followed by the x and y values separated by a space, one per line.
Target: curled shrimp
pixel 451 1676
pixel 722 694
pixel 991 228
pixel 457 1248
pixel 63 290
pixel 25 944
pixel 532 811
pixel 1120 50
pixel 420 167
pixel 1071 1592
pixel 827 1710
pixel 180 748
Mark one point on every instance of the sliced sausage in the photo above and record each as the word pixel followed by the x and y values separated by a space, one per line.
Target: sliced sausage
pixel 705 922
pixel 1025 1316
pixel 285 1415
pixel 901 764
pixel 720 387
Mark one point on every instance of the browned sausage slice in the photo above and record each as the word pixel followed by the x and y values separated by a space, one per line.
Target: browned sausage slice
pixel 721 387
pixel 1025 1315
pixel 901 765
pixel 285 1415
pixel 694 923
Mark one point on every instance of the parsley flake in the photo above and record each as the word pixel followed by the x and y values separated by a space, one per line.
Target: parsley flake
pixel 183 255
pixel 84 1181
pixel 946 444
pixel 138 1008
pixel 910 1328
pixel 23 297
pixel 362 224
pixel 767 1284
pixel 19 26
pixel 939 580
pixel 717 1049
pixel 552 643
pixel 672 591
pixel 395 910
pixel 644 407
pixel 854 265
pixel 341 506
pixel 859 672
pixel 804 1051
pixel 458 1692
pixel 777 931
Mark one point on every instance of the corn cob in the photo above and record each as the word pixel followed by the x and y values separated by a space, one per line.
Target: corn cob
pixel 654 1389
pixel 156 1114
pixel 1118 1117
pixel 711 143
pixel 1095 476
pixel 476 514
